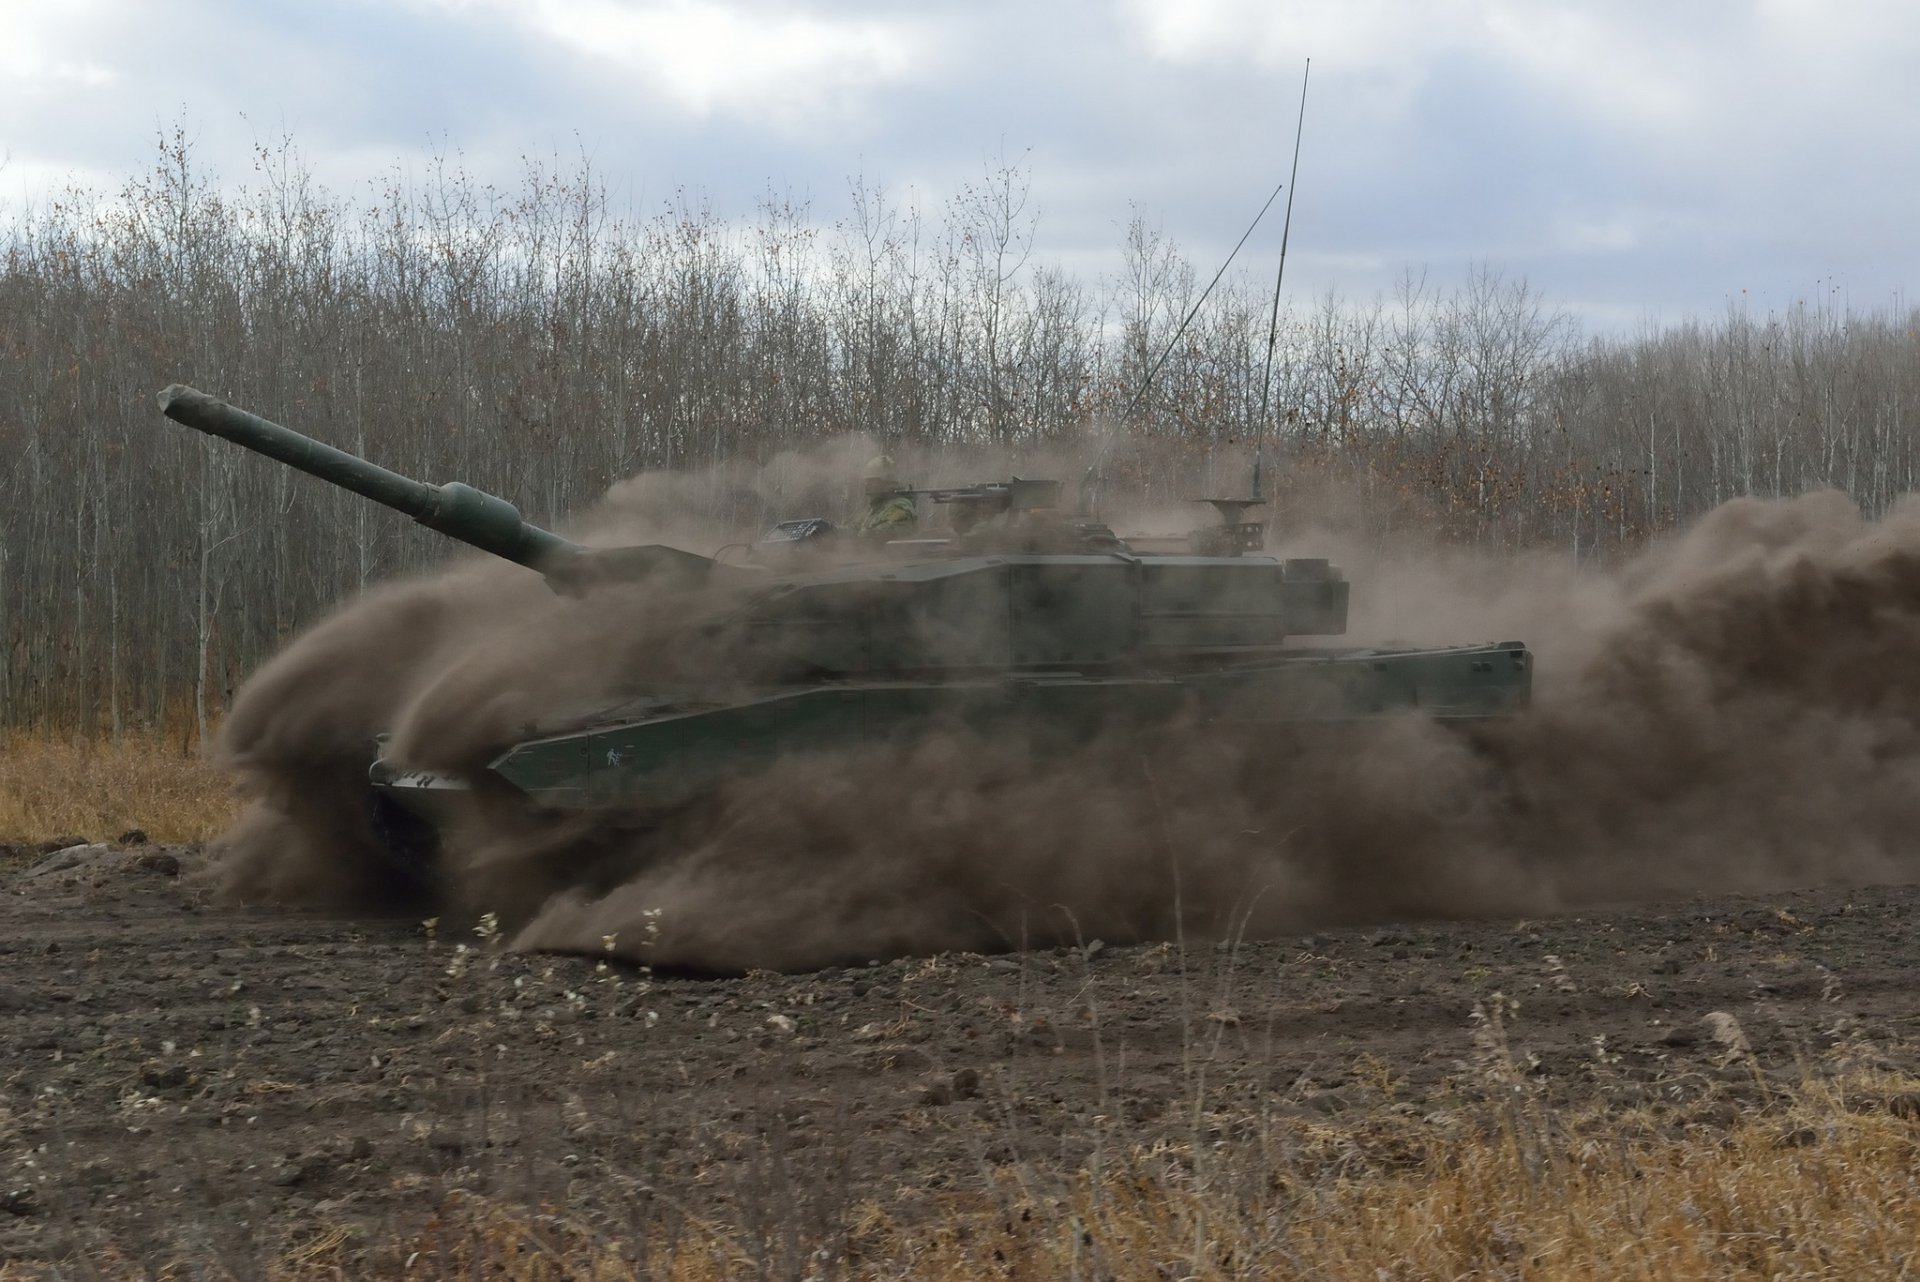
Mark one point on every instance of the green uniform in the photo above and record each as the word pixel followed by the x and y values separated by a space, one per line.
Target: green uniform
pixel 890 516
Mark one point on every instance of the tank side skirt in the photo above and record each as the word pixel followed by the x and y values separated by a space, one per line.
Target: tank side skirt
pixel 666 756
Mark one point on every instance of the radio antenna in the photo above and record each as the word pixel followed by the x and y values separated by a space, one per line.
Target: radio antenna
pixel 1140 392
pixel 1089 480
pixel 1273 322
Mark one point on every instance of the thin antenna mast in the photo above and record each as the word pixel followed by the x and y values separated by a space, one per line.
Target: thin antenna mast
pixel 1091 476
pixel 1134 402
pixel 1273 322
pixel 1089 480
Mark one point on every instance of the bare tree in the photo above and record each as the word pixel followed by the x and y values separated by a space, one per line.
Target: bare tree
pixel 541 343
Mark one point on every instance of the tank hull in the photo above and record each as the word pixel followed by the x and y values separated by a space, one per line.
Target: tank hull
pixel 655 751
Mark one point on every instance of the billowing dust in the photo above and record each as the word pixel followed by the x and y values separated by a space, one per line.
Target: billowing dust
pixel 1735 709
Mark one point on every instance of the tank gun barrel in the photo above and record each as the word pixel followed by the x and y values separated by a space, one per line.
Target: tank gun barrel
pixel 458 511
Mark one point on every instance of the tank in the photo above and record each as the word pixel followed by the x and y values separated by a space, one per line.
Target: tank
pixel 1024 614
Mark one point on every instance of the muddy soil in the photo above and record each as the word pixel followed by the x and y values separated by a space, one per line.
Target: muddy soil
pixel 184 1081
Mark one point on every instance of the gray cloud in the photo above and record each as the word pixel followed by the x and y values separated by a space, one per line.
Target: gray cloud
pixel 1630 158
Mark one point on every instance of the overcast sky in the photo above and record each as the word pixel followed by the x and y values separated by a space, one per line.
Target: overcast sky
pixel 1633 160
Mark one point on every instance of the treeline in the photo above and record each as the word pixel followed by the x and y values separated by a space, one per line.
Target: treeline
pixel 539 344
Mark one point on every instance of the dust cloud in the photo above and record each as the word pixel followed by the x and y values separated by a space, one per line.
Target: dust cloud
pixel 1734 709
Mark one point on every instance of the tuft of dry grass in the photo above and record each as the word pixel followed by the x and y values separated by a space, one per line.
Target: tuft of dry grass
pixel 1819 1185
pixel 75 785
pixel 1824 1187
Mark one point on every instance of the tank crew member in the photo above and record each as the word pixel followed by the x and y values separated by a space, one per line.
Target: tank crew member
pixel 890 514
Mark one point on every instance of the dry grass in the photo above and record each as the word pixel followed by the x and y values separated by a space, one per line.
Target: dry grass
pixel 53 786
pixel 1818 1182
pixel 1823 1185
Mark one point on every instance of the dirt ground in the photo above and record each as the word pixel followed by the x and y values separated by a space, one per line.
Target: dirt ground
pixel 184 1081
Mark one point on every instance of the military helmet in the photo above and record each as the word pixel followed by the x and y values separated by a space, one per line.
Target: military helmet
pixel 878 475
